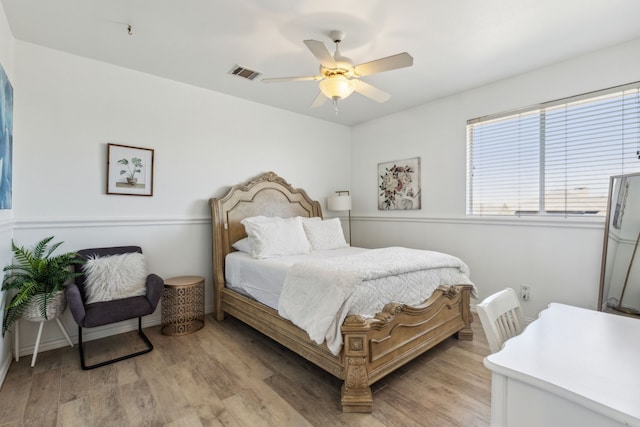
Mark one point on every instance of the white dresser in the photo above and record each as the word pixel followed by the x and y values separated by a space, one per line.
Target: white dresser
pixel 570 367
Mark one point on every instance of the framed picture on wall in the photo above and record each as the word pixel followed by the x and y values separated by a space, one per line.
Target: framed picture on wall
pixel 6 140
pixel 129 170
pixel 399 185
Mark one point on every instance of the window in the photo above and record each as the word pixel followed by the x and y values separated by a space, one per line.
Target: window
pixel 554 158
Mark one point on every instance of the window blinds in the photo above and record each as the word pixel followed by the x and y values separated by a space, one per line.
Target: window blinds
pixel 554 158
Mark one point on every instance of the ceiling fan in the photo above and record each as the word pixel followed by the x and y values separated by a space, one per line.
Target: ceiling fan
pixel 339 78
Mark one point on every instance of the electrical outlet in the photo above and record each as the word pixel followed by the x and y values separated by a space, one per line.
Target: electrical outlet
pixel 525 292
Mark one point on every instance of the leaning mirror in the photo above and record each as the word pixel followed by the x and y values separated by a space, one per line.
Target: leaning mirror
pixel 620 274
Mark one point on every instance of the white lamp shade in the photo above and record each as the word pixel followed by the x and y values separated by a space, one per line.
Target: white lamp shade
pixel 337 87
pixel 339 203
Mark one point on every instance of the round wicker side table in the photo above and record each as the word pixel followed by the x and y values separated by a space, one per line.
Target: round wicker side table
pixel 183 305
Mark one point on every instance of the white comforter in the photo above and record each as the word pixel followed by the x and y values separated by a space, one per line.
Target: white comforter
pixel 318 295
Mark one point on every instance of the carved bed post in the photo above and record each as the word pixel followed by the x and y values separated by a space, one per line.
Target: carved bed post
pixel 218 258
pixel 356 392
pixel 465 308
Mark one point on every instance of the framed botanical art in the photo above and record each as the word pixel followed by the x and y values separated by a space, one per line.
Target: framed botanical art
pixel 129 170
pixel 399 185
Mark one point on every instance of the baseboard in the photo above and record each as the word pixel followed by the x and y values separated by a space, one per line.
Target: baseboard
pixel 4 367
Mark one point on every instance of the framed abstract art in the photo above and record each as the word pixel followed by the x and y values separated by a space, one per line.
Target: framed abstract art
pixel 6 140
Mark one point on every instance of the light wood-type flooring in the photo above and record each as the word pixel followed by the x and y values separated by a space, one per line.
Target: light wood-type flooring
pixel 227 374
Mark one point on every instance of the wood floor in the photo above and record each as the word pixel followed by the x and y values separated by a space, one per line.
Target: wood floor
pixel 207 379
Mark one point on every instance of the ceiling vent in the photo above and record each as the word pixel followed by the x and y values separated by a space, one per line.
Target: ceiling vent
pixel 244 72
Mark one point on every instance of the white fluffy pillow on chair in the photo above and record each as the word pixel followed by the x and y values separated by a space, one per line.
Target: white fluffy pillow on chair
pixel 115 277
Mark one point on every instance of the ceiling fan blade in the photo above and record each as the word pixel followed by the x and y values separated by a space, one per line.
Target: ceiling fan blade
pixel 393 62
pixel 319 100
pixel 321 52
pixel 291 79
pixel 371 91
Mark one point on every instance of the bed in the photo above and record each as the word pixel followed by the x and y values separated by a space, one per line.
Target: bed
pixel 373 346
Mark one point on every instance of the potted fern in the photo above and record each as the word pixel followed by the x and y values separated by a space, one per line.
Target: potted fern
pixel 39 279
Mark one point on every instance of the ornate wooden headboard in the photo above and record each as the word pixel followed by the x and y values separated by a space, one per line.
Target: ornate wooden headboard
pixel 268 195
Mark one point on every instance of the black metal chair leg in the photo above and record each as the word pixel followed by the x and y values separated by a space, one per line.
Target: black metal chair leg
pixel 118 359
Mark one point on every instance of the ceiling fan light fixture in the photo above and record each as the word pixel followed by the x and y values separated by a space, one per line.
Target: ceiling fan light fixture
pixel 339 78
pixel 337 87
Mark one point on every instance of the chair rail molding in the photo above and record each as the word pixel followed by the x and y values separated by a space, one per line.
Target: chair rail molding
pixel 94 222
pixel 527 221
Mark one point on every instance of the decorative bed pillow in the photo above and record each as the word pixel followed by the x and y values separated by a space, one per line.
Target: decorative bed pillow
pixel 325 235
pixel 275 236
pixel 115 277
pixel 243 245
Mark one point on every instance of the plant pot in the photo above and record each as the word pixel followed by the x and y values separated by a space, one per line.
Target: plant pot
pixel 132 181
pixel 55 307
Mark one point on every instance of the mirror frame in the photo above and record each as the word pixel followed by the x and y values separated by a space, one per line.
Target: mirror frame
pixel 605 240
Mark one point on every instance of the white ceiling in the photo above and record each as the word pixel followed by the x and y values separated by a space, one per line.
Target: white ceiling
pixel 456 44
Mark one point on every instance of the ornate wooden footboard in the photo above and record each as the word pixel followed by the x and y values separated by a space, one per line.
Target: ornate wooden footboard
pixel 375 347
pixel 372 347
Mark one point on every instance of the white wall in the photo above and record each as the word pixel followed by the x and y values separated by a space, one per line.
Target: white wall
pixel 68 109
pixel 559 259
pixel 6 60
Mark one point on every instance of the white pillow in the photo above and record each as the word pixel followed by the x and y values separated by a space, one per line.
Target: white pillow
pixel 115 277
pixel 325 235
pixel 276 236
pixel 243 245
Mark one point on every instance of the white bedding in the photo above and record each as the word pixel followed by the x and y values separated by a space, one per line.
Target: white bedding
pixel 317 291
pixel 262 279
pixel 318 296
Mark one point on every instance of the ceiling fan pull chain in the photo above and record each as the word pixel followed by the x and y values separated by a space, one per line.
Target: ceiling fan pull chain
pixel 335 105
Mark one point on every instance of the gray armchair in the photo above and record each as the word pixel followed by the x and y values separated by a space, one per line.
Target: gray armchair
pixel 107 312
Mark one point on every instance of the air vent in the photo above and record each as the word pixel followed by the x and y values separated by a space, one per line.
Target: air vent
pixel 244 72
